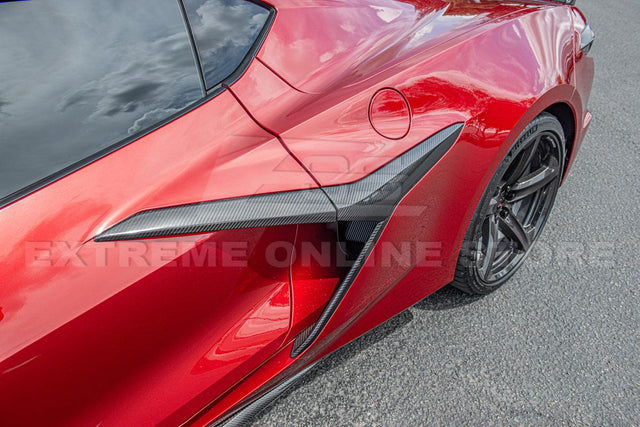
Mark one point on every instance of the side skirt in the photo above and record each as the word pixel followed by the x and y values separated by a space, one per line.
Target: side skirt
pixel 245 415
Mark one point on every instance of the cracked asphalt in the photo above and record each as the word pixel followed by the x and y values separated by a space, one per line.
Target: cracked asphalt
pixel 559 344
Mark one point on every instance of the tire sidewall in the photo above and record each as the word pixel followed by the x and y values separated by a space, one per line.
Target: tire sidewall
pixel 543 123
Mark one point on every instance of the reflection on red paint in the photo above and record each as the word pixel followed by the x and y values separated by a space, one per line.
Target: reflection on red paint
pixel 266 322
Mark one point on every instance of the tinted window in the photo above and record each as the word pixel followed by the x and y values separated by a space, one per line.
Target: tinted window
pixel 224 31
pixel 77 76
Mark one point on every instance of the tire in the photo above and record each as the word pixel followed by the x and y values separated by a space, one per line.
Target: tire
pixel 513 209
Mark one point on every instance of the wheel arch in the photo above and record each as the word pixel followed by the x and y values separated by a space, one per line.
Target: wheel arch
pixel 566 116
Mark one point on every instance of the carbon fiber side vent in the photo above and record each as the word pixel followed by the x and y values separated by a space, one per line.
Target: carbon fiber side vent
pixel 365 206
pixel 294 207
pixel 371 199
pixel 309 335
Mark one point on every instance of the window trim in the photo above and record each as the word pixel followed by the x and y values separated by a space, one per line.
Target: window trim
pixel 251 52
pixel 255 48
pixel 207 96
pixel 194 50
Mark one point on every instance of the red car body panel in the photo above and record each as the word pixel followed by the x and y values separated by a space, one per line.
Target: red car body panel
pixel 434 78
pixel 191 328
pixel 55 276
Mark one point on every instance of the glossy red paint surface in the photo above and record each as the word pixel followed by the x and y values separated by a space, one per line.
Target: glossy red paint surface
pixel 77 340
pixel 331 133
pixel 164 331
pixel 317 267
pixel 161 339
pixel 361 39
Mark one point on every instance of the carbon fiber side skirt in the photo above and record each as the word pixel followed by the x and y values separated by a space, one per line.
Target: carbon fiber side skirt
pixel 244 416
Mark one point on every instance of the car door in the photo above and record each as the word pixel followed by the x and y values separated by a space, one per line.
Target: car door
pixel 103 115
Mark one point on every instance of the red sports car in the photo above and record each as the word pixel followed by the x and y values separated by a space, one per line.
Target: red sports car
pixel 201 198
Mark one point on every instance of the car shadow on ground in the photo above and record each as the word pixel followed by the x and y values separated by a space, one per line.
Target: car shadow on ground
pixel 446 299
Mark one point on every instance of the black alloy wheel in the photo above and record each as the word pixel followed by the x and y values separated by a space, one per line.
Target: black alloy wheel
pixel 513 209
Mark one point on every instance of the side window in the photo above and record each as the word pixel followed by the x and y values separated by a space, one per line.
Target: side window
pixel 224 32
pixel 78 76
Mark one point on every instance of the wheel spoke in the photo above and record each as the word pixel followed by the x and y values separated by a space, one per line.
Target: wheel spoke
pixel 519 206
pixel 491 249
pixel 511 227
pixel 533 182
pixel 523 161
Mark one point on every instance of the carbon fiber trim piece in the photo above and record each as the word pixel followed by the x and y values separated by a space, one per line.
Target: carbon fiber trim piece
pixel 245 415
pixel 375 197
pixel 293 207
pixel 358 231
pixel 372 198
pixel 306 338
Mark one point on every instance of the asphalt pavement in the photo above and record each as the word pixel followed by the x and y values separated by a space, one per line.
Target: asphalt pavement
pixel 559 344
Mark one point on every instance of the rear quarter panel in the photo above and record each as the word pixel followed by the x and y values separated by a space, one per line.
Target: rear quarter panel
pixel 496 78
